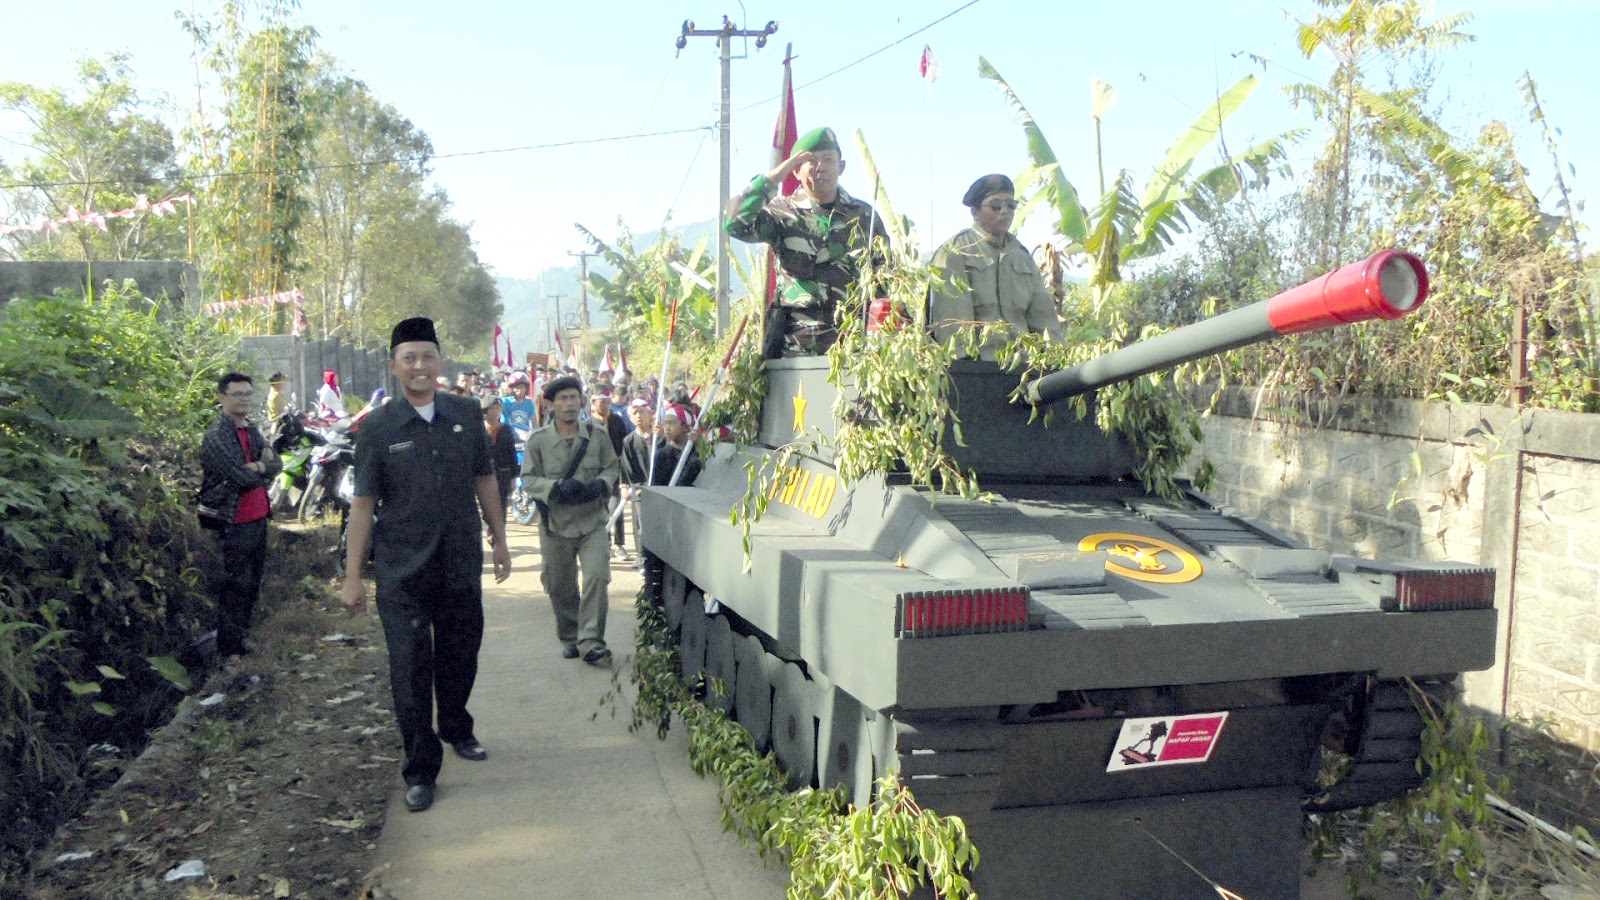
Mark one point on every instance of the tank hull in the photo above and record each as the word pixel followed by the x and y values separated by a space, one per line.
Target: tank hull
pixel 1104 685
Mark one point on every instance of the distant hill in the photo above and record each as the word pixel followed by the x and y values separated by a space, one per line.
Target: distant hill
pixel 530 303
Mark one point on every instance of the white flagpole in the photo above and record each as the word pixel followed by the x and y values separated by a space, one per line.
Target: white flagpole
pixel 711 397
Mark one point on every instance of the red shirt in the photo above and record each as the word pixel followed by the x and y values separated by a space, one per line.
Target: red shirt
pixel 253 505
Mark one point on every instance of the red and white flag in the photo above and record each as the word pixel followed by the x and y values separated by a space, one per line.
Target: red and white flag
pixel 929 66
pixel 605 361
pixel 622 359
pixel 495 348
pixel 559 349
pixel 783 138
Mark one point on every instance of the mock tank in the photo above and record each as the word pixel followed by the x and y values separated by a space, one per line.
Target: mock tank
pixel 1122 695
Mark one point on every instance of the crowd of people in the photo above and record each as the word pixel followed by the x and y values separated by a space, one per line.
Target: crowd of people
pixel 434 473
pixel 436 467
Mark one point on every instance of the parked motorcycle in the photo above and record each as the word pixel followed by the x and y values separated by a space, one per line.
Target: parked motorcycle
pixel 346 493
pixel 294 443
pixel 329 463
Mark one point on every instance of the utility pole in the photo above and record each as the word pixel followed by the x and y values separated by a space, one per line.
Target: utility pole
pixel 724 36
pixel 583 285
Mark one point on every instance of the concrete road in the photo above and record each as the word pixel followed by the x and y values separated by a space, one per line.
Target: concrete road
pixel 569 804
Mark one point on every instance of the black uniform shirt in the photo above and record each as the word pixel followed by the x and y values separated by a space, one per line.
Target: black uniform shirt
pixel 636 457
pixel 423 476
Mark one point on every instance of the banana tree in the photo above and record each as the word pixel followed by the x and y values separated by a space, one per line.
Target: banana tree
pixel 642 293
pixel 1123 227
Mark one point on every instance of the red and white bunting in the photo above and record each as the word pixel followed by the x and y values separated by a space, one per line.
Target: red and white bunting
pixel 99 219
pixel 282 298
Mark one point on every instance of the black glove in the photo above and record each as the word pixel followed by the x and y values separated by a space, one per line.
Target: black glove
pixel 567 491
pixel 596 490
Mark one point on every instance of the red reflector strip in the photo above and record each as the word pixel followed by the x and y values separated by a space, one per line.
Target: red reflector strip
pixel 1444 589
pixel 976 611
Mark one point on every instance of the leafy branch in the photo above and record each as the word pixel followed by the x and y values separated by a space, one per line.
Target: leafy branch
pixel 888 849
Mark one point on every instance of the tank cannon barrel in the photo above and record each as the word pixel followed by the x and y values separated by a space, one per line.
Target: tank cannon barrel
pixel 1387 285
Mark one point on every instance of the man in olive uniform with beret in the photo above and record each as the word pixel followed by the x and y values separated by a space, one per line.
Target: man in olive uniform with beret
pixel 423 471
pixel 986 275
pixel 570 467
pixel 820 237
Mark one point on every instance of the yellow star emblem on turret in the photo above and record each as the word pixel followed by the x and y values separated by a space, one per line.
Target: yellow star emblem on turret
pixel 800 409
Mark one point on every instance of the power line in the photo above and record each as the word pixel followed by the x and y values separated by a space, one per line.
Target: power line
pixel 863 59
pixel 208 176
pixel 690 171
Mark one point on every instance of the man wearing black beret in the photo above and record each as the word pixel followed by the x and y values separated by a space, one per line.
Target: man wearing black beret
pixel 423 473
pixel 986 275
pixel 819 236
pixel 570 467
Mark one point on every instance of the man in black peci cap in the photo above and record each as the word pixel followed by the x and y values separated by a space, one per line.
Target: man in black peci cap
pixel 820 237
pixel 424 471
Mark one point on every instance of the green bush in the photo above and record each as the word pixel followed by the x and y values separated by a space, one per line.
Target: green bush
pixel 101 405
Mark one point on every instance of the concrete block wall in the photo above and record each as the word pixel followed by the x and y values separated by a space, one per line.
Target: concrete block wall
pixel 1378 496
pixel 1519 491
pixel 177 281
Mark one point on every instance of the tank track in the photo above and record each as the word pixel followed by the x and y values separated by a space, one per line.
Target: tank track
pixel 822 736
pixel 1384 749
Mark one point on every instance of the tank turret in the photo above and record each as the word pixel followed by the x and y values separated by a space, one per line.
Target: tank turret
pixel 1113 689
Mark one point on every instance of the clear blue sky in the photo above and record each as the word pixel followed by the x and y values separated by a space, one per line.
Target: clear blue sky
pixel 480 75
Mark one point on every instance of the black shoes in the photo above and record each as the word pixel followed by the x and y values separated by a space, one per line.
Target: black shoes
pixel 470 749
pixel 594 657
pixel 419 797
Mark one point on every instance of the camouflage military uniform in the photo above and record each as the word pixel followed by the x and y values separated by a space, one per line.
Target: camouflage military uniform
pixel 819 254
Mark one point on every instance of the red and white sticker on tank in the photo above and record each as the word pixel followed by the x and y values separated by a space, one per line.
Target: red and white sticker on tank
pixel 1166 741
pixel 1143 558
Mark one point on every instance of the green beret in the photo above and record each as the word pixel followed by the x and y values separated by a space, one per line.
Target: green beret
pixel 817 139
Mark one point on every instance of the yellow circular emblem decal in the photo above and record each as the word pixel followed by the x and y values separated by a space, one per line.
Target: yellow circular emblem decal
pixel 1143 558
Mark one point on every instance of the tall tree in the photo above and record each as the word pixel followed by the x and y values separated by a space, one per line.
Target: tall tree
pixel 1365 39
pixel 416 260
pixel 96 148
pixel 366 157
pixel 255 159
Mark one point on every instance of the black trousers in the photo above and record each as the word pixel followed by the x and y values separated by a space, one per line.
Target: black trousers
pixel 433 636
pixel 244 557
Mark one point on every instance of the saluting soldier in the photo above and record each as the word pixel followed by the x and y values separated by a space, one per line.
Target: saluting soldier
pixel 423 471
pixel 820 237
